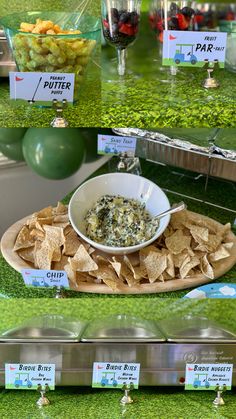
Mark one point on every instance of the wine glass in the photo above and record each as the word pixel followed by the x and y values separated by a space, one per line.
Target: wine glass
pixel 120 23
pixel 170 15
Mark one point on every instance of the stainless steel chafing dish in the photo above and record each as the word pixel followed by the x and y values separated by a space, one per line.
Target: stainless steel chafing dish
pixel 162 348
pixel 7 62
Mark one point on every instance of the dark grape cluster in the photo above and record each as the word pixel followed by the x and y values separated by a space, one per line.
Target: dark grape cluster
pixel 120 27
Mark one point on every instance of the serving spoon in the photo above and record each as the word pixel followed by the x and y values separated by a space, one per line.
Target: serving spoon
pixel 178 207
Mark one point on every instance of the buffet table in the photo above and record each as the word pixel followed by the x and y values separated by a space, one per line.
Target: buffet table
pixel 179 181
pixel 86 402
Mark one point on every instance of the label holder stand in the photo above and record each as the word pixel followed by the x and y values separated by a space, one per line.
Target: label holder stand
pixel 43 400
pixel 126 399
pixel 59 121
pixel 219 399
pixel 210 82
pixel 59 292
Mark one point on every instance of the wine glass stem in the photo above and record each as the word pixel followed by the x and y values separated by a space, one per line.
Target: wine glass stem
pixel 121 53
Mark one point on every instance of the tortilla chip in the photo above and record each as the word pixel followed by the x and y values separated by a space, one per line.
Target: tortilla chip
pixel 56 257
pixel 27 254
pixel 228 245
pixel 180 258
pixel 44 213
pixel 128 275
pixel 55 235
pixel 71 273
pixel 186 267
pixel 44 255
pixel 178 219
pixel 71 243
pixel 82 261
pixel 177 242
pixel 37 234
pixel 206 268
pixel 170 269
pixel 155 265
pixel 220 253
pixel 23 239
pixel 200 234
pixel 62 218
pixel 83 277
pixel 59 265
pixel 109 277
pixel 116 266
pixel 143 253
pixel 135 271
pixel 61 208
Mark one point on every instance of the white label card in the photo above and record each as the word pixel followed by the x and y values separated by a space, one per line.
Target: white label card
pixel 45 87
pixel 208 376
pixel 29 376
pixel 115 375
pixel 193 48
pixel 114 145
pixel 44 278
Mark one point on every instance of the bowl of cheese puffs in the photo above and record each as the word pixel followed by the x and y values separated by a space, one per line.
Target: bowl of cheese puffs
pixel 52 42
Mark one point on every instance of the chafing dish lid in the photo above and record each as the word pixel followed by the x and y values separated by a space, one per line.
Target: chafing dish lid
pixel 122 328
pixel 195 329
pixel 48 328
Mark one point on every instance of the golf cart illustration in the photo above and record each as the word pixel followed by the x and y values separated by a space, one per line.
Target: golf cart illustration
pixel 22 380
pixel 108 378
pixel 107 149
pixel 37 283
pixel 181 57
pixel 198 383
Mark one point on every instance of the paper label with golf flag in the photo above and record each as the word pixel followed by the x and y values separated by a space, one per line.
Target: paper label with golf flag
pixel 45 278
pixel 115 375
pixel 41 87
pixel 208 376
pixel 114 145
pixel 29 376
pixel 194 49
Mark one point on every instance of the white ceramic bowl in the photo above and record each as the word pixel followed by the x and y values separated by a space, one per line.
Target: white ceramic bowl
pixel 126 185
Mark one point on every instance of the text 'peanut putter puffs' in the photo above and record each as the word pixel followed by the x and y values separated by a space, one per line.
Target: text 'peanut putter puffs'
pixel 51 49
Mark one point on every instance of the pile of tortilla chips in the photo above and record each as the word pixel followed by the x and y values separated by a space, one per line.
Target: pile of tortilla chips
pixel 191 245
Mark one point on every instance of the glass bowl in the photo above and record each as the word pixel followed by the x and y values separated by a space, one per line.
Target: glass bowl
pixel 60 53
pixel 230 59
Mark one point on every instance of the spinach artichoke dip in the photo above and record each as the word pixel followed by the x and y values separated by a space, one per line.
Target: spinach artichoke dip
pixel 119 222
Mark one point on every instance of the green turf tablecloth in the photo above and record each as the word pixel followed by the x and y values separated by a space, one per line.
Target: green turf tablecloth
pixel 218 192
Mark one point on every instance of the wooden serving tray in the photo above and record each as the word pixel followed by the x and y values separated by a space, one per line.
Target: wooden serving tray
pixel 221 267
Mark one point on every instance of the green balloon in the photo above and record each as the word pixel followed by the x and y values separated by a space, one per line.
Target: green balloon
pixel 13 151
pixel 54 153
pixel 11 135
pixel 90 136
